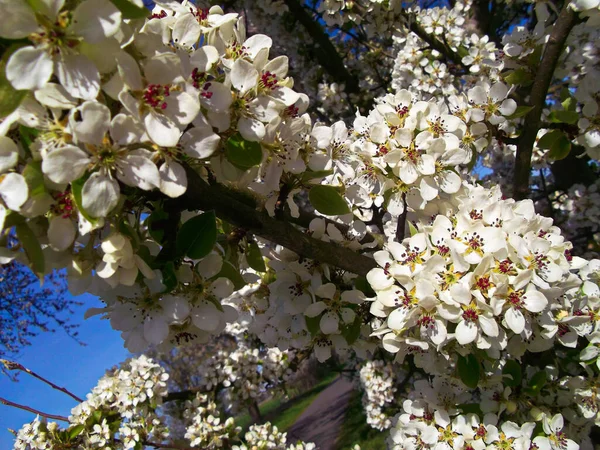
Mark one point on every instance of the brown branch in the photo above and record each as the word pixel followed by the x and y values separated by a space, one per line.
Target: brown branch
pixel 35 411
pixel 401 225
pixel 567 19
pixel 436 44
pixel 228 207
pixel 11 365
pixel 325 51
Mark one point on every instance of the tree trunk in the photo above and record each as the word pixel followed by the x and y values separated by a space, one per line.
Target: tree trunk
pixel 255 412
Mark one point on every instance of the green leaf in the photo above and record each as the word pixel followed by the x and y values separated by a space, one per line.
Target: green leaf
pixel 512 373
pixel 10 98
pixel 254 257
pixel 130 10
pixel 35 178
pixel 75 431
pixel 413 230
pixel 352 332
pixel 537 382
pixel 242 153
pixel 197 236
pixel 313 325
pixel 32 248
pixel 76 188
pixel 363 285
pixel 470 408
pixel 519 76
pixel 570 117
pixel 169 276
pixel 12 219
pixel 468 370
pixel 520 112
pixel 569 104
pixel 230 272
pixel 462 51
pixel 27 135
pixel 558 144
pixel 311 175
pixel 327 200
pixel 156 224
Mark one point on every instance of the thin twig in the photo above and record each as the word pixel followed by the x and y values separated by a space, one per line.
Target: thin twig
pixel 35 411
pixel 567 19
pixel 401 226
pixel 11 365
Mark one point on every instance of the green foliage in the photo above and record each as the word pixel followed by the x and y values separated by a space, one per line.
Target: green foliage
pixel 468 370
pixel 130 10
pixel 32 248
pixel 197 237
pixel 557 143
pixel 327 200
pixel 512 373
pixel 254 257
pixel 242 153
pixel 230 272
pixel 355 429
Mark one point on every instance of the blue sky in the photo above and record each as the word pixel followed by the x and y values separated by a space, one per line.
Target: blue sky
pixel 63 361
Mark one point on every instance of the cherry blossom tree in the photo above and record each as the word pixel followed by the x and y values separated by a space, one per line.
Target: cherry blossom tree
pixel 425 203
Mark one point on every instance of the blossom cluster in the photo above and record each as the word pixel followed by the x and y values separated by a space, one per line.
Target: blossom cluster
pixel 377 379
pixel 120 412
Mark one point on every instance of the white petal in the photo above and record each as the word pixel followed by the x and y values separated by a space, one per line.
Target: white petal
pixel 79 76
pixel 285 95
pixel 156 329
pixel 222 287
pixel 379 280
pixel 61 233
pixel 65 164
pixel 95 121
pixel 186 30
pixel 18 19
pixel 515 320
pixel 243 76
pixel 200 142
pixel 251 129
pixel 29 68
pixel 162 130
pixel 256 43
pixel 329 323
pixel 210 265
pixel 175 308
pixel 204 58
pixel 100 194
pixel 173 179
pixel 13 190
pixel 125 130
pixel 138 171
pixel 466 332
pixel 498 92
pixel 315 309
pixel 95 20
pixel 206 316
pixel 9 154
pixel 129 70
pixel 489 326
pixel 181 108
pixel 535 301
pixel 53 95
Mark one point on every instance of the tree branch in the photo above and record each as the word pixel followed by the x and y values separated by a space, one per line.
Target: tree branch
pixel 35 411
pixel 436 44
pixel 200 195
pixel 567 19
pixel 11 365
pixel 325 51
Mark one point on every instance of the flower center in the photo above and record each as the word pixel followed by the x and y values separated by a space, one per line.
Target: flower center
pixel 155 95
